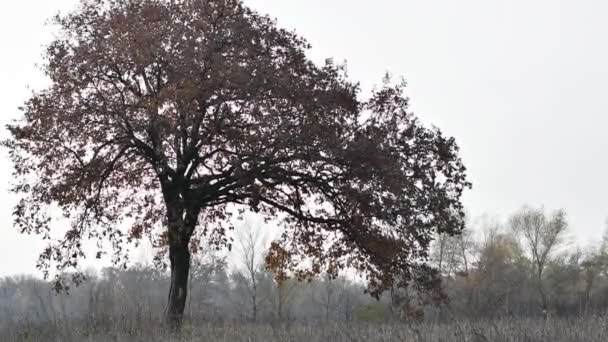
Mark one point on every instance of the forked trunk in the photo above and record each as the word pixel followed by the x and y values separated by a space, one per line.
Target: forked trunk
pixel 179 256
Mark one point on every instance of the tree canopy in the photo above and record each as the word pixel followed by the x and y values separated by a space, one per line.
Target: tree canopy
pixel 163 115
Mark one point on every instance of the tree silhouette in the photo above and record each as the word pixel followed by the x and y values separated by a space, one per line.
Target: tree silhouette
pixel 165 114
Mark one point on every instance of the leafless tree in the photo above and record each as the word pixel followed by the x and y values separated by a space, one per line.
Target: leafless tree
pixel 250 242
pixel 542 236
pixel 284 293
pixel 329 290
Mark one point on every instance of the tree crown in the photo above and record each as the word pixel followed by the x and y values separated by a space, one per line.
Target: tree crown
pixel 161 115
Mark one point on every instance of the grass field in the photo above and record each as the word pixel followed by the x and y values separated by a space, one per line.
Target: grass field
pixel 559 330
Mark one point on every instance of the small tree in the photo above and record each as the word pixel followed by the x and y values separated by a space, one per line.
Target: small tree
pixel 499 272
pixel 250 244
pixel 207 269
pixel 593 265
pixel 160 115
pixel 542 235
pixel 328 290
pixel 451 254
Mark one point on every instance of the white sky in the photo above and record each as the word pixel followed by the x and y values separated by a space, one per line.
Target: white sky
pixel 521 84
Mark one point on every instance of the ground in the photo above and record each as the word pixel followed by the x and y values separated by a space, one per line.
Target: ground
pixel 557 330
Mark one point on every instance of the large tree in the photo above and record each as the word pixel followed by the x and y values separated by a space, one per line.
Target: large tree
pixel 165 114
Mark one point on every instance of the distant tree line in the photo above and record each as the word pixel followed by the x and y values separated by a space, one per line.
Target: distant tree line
pixel 526 266
pixel 522 267
pixel 139 294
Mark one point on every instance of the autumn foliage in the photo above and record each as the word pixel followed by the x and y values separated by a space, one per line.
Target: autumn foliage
pixel 163 115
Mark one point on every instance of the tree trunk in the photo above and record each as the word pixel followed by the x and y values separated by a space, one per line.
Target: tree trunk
pixel 254 316
pixel 541 291
pixel 545 306
pixel 179 256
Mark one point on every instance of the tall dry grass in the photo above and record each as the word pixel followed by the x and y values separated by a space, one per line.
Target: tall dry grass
pixel 593 328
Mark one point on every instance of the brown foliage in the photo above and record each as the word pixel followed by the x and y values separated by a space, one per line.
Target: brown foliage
pixel 166 112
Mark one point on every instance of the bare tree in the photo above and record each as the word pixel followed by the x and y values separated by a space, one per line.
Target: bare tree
pixel 206 267
pixel 542 235
pixel 451 254
pixel 250 244
pixel 497 273
pixel 439 251
pixel 591 268
pixel 329 290
pixel 285 292
pixel 465 245
pixel 348 298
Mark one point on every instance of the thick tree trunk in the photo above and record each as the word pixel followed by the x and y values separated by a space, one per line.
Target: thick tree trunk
pixel 180 267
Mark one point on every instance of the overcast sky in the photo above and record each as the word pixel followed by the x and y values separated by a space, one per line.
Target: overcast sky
pixel 521 84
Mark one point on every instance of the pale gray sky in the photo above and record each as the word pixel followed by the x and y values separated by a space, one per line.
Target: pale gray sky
pixel 521 84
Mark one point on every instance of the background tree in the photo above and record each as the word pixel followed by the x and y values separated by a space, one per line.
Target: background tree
pixel 328 291
pixel 250 245
pixel 501 268
pixel 208 279
pixel 440 250
pixel 542 236
pixel 452 253
pixel 160 115
pixel 592 267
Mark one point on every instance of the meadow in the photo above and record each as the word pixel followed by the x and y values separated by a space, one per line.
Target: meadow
pixel 594 328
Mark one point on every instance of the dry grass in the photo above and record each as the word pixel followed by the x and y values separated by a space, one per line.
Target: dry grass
pixel 587 329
